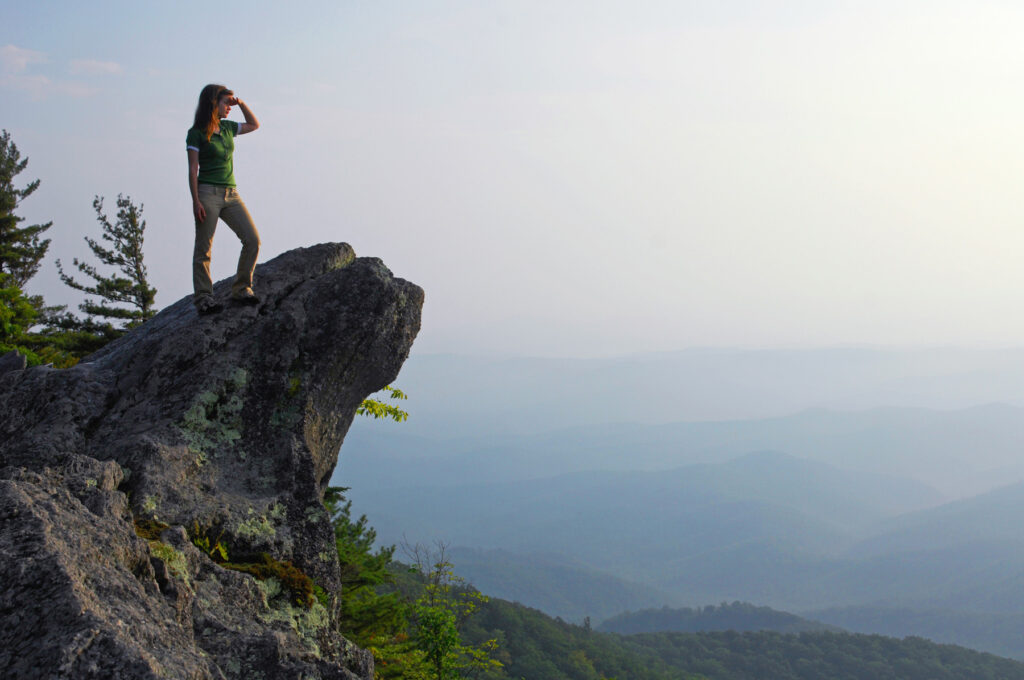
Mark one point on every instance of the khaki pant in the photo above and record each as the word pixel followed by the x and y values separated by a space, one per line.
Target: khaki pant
pixel 223 203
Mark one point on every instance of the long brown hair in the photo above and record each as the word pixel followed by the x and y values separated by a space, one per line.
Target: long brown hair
pixel 206 112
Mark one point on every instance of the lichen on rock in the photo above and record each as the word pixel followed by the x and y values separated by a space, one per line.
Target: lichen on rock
pixel 213 423
pixel 231 422
pixel 176 564
pixel 258 528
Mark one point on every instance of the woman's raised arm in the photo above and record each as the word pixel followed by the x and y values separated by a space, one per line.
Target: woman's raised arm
pixel 250 123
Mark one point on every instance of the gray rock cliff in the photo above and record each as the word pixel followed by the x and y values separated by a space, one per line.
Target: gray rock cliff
pixel 220 429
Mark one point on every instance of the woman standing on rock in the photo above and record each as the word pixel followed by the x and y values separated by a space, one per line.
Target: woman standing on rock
pixel 210 144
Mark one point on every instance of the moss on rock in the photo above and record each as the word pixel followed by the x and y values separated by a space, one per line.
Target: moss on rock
pixel 290 577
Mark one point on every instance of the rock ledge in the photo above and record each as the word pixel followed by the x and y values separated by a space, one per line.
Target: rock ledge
pixel 225 427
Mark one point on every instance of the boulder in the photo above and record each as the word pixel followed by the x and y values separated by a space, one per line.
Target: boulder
pixel 12 361
pixel 125 480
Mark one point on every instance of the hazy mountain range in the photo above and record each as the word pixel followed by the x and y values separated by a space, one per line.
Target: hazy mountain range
pixel 454 396
pixel 765 528
pixel 738 616
pixel 961 452
pixel 841 484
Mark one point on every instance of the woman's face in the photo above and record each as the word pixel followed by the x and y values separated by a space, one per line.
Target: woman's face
pixel 224 105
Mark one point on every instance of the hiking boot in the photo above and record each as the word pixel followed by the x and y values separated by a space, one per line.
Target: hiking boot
pixel 246 297
pixel 207 304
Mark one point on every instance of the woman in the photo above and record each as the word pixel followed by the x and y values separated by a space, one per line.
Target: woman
pixel 210 143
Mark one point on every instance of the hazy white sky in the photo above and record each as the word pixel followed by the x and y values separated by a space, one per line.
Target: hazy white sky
pixel 569 177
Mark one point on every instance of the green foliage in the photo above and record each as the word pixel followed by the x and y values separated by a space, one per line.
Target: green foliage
pixel 438 639
pixel 412 629
pixel 46 334
pixel 74 338
pixel 534 645
pixel 440 612
pixel 321 595
pixel 17 315
pixel 360 566
pixel 211 547
pixel 21 248
pixel 822 656
pixel 398 658
pixel 129 284
pixel 378 409
pixel 367 616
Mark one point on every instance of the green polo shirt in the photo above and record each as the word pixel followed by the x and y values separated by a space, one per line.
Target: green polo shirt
pixel 215 163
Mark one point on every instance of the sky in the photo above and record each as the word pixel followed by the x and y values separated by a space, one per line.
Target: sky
pixel 570 178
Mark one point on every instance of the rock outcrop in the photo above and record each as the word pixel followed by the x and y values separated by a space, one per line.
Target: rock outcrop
pixel 122 478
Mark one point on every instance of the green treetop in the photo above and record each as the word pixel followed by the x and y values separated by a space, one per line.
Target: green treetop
pixel 129 284
pixel 17 315
pixel 21 248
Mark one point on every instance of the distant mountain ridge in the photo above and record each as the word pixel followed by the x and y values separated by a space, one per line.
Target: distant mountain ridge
pixel 994 516
pixel 961 453
pixel 476 396
pixel 738 616
pixel 993 632
pixel 762 495
pixel 555 584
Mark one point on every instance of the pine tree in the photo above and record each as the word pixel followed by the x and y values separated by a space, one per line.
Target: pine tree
pixel 128 286
pixel 21 249
pixel 367 615
pixel 17 315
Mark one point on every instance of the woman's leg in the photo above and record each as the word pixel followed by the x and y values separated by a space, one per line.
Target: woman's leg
pixel 212 198
pixel 236 215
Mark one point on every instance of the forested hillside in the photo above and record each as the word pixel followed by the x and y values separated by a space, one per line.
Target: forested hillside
pixel 533 645
pixel 395 611
pixel 820 656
